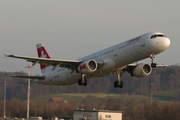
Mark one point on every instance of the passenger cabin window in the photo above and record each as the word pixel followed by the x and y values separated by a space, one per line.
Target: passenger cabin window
pixel 157 35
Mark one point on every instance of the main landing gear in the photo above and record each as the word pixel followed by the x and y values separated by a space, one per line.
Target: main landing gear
pixel 153 65
pixel 82 81
pixel 118 83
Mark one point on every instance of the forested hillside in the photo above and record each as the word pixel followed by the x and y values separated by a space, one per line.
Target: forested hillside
pixel 160 79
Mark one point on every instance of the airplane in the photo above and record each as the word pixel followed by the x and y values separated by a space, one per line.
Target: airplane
pixel 116 59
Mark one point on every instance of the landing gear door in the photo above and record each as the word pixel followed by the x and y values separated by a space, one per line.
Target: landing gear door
pixel 142 41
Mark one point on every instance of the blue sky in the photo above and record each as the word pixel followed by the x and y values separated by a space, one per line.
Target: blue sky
pixel 73 29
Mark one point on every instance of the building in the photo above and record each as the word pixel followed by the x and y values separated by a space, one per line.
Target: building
pixel 35 118
pixel 55 100
pixel 97 115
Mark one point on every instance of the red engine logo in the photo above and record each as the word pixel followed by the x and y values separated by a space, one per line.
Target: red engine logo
pixel 83 66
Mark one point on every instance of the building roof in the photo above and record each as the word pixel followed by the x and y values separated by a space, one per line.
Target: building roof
pixel 55 99
pixel 111 111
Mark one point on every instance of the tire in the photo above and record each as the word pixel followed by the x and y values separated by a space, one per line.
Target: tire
pixel 121 84
pixel 80 82
pixel 153 65
pixel 85 83
pixel 116 84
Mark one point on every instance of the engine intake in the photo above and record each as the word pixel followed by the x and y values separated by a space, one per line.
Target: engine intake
pixel 87 67
pixel 142 70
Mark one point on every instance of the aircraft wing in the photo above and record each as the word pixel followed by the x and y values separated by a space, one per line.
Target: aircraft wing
pixel 157 65
pixel 161 65
pixel 54 62
pixel 130 67
pixel 30 77
pixel 70 64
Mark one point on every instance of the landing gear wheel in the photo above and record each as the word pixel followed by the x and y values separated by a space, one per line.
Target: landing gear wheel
pixel 118 84
pixel 80 82
pixel 85 83
pixel 153 65
pixel 121 84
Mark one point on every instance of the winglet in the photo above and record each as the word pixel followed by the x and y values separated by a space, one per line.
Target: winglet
pixel 5 56
pixel 8 55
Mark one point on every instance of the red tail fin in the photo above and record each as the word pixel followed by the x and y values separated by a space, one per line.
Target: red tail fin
pixel 42 53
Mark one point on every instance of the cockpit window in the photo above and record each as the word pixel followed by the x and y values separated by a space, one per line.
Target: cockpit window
pixel 157 35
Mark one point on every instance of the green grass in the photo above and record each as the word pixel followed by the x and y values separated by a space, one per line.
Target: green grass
pixel 160 95
pixel 78 96
pixel 164 95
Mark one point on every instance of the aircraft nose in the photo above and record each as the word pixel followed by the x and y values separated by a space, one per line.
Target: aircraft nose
pixel 166 42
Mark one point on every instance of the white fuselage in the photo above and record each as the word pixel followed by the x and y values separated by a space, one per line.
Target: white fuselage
pixel 115 58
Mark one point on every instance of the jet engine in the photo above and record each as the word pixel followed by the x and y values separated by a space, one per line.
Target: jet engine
pixel 142 70
pixel 87 67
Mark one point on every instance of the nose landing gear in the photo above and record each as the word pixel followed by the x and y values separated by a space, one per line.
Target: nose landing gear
pixel 153 65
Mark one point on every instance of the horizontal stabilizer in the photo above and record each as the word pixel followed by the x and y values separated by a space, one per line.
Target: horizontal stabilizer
pixel 31 77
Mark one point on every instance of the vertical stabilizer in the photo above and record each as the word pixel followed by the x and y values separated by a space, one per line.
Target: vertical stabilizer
pixel 42 53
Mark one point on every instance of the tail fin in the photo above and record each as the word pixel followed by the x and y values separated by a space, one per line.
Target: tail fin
pixel 42 53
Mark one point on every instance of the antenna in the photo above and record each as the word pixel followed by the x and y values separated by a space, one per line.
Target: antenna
pixel 28 92
pixel 5 97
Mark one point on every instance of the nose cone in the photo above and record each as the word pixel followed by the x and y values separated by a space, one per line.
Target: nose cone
pixel 159 44
pixel 163 44
pixel 166 42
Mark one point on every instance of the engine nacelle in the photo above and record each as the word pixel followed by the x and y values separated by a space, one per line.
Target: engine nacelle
pixel 142 70
pixel 87 67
